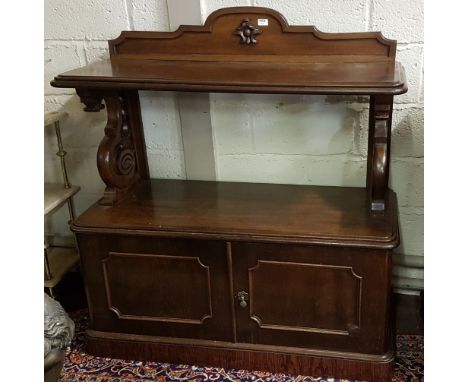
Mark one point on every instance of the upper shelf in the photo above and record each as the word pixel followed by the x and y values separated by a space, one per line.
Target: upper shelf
pixel 246 49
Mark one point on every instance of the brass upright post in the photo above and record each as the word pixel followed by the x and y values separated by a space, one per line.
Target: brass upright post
pixel 62 153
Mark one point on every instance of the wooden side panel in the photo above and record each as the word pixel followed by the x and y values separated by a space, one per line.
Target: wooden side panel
pixel 253 31
pixel 158 287
pixel 312 296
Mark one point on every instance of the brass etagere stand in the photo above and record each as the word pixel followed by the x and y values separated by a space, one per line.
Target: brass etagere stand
pixel 58 260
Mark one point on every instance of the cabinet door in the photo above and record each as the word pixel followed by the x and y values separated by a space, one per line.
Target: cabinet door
pixel 159 287
pixel 312 296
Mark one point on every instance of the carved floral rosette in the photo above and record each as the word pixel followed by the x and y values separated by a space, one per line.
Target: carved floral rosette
pixel 247 32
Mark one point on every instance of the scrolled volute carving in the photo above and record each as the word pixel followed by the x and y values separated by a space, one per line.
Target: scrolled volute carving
pixel 117 162
pixel 247 32
pixel 126 161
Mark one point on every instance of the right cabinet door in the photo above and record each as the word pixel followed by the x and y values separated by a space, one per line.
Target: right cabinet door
pixel 312 296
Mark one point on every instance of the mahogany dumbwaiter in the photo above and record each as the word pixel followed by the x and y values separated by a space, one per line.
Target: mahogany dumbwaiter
pixel 257 276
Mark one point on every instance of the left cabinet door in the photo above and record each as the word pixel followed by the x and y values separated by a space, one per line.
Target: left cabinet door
pixel 157 286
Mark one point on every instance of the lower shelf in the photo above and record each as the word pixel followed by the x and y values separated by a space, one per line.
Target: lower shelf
pixel 316 363
pixel 61 261
pixel 248 211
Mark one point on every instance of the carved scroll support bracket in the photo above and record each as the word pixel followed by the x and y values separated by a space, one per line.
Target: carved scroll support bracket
pixel 116 157
pixel 378 161
pixel 121 156
pixel 91 99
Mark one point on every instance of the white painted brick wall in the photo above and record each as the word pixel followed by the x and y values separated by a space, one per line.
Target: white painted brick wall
pixel 326 15
pixel 282 139
pixel 85 19
pixel 401 20
pixel 60 56
pixel 149 15
pixel 410 55
pixel 208 7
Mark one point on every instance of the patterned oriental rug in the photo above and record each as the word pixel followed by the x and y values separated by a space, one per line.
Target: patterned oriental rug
pixel 82 367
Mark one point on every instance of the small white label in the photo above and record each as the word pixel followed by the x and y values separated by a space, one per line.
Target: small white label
pixel 262 22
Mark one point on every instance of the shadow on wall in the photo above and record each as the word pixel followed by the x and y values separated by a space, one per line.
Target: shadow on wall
pixel 408 132
pixel 407 177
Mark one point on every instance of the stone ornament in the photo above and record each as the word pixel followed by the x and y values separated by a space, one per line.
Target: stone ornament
pixel 58 327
